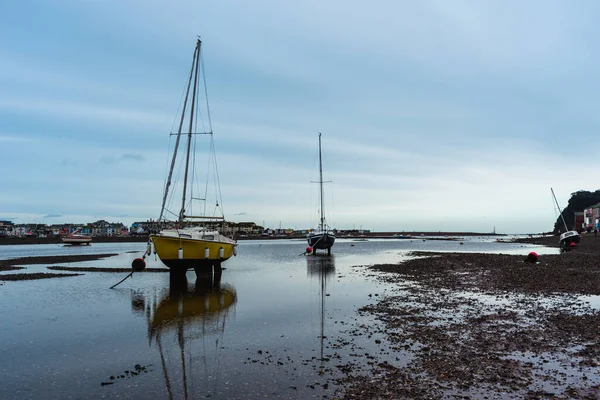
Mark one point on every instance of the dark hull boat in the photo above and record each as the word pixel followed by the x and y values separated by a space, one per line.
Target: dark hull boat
pixel 322 238
pixel 322 241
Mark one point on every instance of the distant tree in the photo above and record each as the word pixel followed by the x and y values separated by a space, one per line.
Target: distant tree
pixel 578 202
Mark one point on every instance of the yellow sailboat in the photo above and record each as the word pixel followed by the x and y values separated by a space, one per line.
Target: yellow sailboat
pixel 182 245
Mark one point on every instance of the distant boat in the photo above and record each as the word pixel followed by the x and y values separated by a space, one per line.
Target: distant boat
pixel 185 246
pixel 567 237
pixel 321 238
pixel 398 236
pixel 76 238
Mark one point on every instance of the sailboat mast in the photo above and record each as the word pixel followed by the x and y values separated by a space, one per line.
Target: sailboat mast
pixel 189 144
pixel 559 210
pixel 169 178
pixel 321 184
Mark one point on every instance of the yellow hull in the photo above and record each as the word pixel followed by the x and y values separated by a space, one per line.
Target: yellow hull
pixel 194 251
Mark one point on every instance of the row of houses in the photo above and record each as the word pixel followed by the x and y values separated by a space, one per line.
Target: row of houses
pixel 98 228
pixel 227 227
pixel 105 228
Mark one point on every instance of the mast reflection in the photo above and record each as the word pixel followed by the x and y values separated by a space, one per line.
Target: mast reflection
pixel 321 267
pixel 192 315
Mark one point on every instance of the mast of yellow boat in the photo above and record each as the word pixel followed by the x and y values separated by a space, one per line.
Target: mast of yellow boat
pixel 189 143
pixel 177 140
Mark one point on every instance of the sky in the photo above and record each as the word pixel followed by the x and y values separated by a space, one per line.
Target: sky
pixel 435 115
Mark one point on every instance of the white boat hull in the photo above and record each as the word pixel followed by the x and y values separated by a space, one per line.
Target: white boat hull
pixel 77 240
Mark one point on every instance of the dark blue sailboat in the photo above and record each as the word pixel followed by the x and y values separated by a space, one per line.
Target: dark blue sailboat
pixel 322 238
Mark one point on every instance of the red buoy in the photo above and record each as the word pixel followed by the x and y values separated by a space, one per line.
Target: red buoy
pixel 573 244
pixel 309 249
pixel 138 265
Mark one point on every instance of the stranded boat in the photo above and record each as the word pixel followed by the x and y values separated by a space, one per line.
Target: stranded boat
pixel 76 238
pixel 182 245
pixel 567 237
pixel 321 238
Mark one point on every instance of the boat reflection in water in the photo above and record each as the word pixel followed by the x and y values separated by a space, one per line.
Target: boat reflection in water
pixel 321 267
pixel 192 315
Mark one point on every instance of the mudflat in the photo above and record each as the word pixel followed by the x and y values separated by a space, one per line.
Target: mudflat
pixel 466 325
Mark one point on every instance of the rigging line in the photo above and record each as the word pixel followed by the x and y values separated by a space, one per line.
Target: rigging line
pixel 178 134
pixel 183 93
pixel 322 276
pixel 170 212
pixel 194 176
pixel 206 94
pixel 177 178
pixel 311 204
pixel 181 341
pixel 329 180
pixel 207 177
pixel 218 348
pixel 187 159
pixel 199 112
pixel 164 366
pixel 218 181
pixel 167 164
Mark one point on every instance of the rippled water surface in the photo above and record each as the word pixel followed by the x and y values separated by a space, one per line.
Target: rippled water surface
pixel 267 328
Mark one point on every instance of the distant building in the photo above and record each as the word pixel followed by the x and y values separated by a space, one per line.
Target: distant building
pixel 5 228
pixel 592 217
pixel 579 221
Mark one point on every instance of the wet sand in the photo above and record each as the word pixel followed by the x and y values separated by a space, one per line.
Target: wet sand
pixel 9 268
pixel 34 276
pixel 53 259
pixel 483 326
pixel 100 269
pixel 11 265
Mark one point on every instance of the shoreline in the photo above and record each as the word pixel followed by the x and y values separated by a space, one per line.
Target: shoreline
pixel 141 239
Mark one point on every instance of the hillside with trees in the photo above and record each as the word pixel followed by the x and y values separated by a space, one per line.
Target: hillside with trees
pixel 579 201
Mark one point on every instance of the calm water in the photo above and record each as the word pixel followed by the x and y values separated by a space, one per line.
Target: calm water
pixel 267 330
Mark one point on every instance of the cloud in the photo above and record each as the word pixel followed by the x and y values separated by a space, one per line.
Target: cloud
pixel 133 157
pixel 108 160
pixel 56 108
pixel 14 138
pixel 52 216
pixel 67 163
pixel 241 213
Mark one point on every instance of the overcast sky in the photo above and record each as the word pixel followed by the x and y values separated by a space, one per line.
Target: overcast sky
pixel 436 115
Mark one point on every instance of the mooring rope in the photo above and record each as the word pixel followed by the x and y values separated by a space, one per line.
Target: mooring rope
pixel 140 267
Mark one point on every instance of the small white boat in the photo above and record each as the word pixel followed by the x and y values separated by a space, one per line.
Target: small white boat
pixel 76 238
